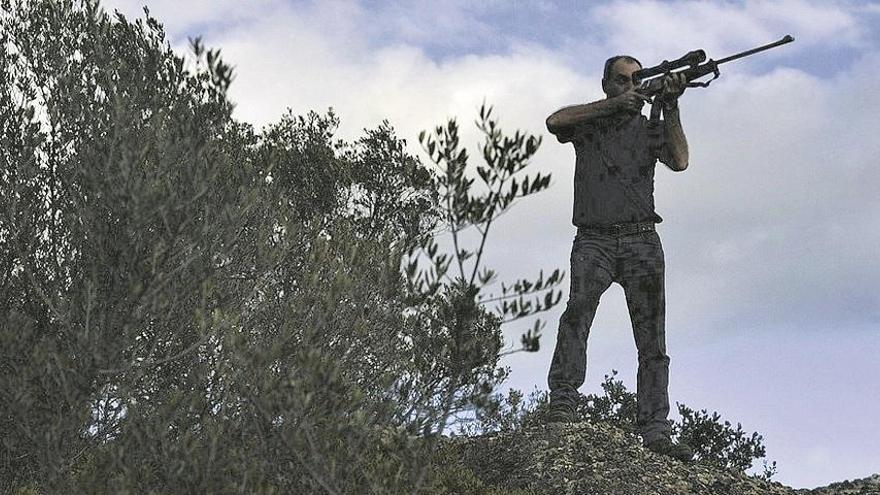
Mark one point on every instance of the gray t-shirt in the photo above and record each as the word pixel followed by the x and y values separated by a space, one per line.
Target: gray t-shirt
pixel 614 173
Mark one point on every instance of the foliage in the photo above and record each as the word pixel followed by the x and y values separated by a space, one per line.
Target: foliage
pixel 476 340
pixel 451 477
pixel 616 405
pixel 187 305
pixel 505 414
pixel 504 158
pixel 713 439
pixel 111 248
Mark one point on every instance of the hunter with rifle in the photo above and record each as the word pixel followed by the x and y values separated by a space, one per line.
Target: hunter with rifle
pixel 616 149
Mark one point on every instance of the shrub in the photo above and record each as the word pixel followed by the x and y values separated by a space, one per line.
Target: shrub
pixel 714 440
pixel 187 305
pixel 450 477
pixel 717 442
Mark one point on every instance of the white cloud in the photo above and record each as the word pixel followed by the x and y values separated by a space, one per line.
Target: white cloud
pixel 815 23
pixel 658 31
pixel 195 17
pixel 433 23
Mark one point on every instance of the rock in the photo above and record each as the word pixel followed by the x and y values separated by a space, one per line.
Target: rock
pixel 598 459
pixel 863 486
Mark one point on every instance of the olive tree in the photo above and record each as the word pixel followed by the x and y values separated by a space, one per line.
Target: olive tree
pixel 192 305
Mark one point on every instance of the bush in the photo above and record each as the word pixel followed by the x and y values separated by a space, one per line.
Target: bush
pixel 713 439
pixel 716 442
pixel 450 477
pixel 187 305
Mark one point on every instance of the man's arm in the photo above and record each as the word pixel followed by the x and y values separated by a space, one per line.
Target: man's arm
pixel 564 122
pixel 676 156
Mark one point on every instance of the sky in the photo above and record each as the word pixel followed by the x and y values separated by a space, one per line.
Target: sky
pixel 770 236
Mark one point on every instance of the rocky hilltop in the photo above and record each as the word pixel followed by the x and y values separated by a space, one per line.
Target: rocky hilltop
pixel 864 486
pixel 598 459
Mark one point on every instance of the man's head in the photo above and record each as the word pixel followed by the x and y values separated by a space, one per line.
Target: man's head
pixel 617 77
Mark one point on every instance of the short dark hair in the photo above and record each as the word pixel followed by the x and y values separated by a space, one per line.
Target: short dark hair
pixel 610 62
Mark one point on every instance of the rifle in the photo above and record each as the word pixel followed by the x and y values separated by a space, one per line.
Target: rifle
pixel 649 81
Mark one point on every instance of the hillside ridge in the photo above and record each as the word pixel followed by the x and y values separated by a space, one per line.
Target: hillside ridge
pixel 583 458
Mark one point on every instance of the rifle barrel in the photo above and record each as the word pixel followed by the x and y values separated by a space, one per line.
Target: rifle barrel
pixel 785 39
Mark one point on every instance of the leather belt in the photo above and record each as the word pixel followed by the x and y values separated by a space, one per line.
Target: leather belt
pixel 619 229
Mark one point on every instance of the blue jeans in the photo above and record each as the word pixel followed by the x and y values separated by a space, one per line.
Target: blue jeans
pixel 636 262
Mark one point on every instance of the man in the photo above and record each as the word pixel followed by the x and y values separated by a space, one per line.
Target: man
pixel 616 240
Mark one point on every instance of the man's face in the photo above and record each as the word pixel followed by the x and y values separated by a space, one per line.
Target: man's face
pixel 620 78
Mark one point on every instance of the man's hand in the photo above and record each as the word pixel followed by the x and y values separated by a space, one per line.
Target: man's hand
pixel 631 102
pixel 673 87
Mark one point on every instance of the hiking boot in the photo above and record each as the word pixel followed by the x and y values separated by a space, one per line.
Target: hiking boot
pixel 560 414
pixel 664 446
